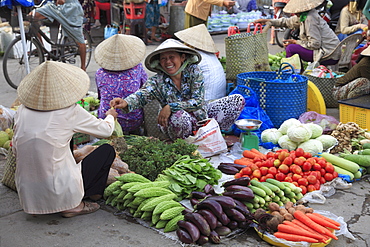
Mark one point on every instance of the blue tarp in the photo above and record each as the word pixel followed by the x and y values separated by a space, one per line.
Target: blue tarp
pixel 10 3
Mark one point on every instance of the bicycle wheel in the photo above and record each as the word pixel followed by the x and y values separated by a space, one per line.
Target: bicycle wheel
pixel 279 35
pixel 70 53
pixel 14 62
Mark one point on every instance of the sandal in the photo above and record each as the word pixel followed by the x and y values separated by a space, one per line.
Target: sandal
pixel 89 207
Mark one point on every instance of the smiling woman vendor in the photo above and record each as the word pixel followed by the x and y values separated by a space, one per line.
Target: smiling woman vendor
pixel 179 88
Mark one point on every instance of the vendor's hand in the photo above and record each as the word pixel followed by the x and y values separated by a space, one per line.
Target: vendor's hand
pixel 289 41
pixel 363 27
pixel 262 21
pixel 164 115
pixel 112 112
pixel 118 103
pixel 228 4
pixel 60 2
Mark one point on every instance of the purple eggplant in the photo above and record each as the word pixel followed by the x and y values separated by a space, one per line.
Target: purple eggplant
pixel 202 240
pixel 210 218
pixel 232 225
pixel 199 222
pixel 212 205
pixel 236 187
pixel 224 219
pixel 214 237
pixel 238 181
pixel 223 230
pixel 225 201
pixel 229 170
pixel 184 236
pixel 235 215
pixel 190 228
pixel 194 201
pixel 208 189
pixel 198 195
pixel 240 195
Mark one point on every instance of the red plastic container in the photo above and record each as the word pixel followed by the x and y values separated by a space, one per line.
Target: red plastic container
pixel 134 11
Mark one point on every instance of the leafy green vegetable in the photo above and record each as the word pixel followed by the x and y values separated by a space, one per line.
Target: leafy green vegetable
pixel 188 174
pixel 150 156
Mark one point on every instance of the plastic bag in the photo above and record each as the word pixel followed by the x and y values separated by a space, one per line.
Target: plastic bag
pixel 6 118
pixel 208 138
pixel 117 132
pixel 295 61
pixel 328 123
pixel 252 110
pixel 109 31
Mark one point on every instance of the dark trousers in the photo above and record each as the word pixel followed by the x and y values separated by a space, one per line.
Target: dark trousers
pixel 95 169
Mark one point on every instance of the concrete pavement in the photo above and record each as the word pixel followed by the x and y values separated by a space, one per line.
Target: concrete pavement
pixel 107 228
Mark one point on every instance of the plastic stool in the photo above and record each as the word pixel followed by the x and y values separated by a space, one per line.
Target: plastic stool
pixel 135 25
pixel 134 11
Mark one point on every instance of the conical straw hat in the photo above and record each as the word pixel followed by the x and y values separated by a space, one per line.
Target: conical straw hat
pixel 198 37
pixel 169 45
pixel 299 6
pixel 120 52
pixel 52 86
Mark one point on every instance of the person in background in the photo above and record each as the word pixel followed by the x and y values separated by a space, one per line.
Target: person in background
pixel 198 37
pixel 69 14
pixel 152 17
pixel 120 75
pixel 356 82
pixel 179 88
pixel 88 7
pixel 101 5
pixel 316 37
pixel 47 178
pixel 197 11
pixel 351 20
pixel 245 6
pixel 278 5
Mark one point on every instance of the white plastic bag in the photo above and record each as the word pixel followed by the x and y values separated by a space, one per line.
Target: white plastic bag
pixel 208 138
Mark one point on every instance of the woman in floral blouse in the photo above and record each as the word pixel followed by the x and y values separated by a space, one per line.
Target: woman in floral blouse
pixel 179 88
pixel 120 75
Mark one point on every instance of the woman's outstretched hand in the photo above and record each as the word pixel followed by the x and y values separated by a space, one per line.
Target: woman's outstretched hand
pixel 262 21
pixel 118 103
pixel 164 115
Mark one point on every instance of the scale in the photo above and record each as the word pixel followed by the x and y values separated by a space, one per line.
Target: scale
pixel 248 139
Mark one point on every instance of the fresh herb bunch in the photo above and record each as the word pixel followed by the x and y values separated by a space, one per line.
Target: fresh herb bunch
pixel 150 156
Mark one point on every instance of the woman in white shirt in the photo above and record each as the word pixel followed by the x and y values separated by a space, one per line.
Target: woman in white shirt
pixel 48 180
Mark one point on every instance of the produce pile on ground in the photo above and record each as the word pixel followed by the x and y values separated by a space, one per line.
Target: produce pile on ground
pixel 150 156
pixel 293 134
pixel 296 223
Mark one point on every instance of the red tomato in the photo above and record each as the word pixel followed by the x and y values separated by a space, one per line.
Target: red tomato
pixel 246 171
pixel 238 175
pixel 328 176
pixel 269 175
pixel 322 180
pixel 299 152
pixel 263 179
pixel 302 181
pixel 288 179
pixel 329 168
pixel 272 170
pixel 322 163
pixel 311 188
pixel 307 166
pixel 335 174
pixel 307 155
pixel 304 189
pixel 280 176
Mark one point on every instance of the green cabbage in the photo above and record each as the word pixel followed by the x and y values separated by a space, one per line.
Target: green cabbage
pixel 327 141
pixel 316 130
pixel 285 143
pixel 299 133
pixel 312 146
pixel 271 135
pixel 287 124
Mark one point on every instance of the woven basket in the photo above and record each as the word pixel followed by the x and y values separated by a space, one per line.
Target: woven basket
pixel 281 100
pixel 246 52
pixel 325 85
pixel 151 111
pixel 9 171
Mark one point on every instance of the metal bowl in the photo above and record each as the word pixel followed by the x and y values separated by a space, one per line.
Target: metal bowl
pixel 248 124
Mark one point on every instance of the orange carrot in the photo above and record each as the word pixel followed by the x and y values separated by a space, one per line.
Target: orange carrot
pixel 300 224
pixel 295 238
pixel 243 162
pixel 322 222
pixel 293 229
pixel 299 215
pixel 326 218
pixel 263 156
pixel 249 154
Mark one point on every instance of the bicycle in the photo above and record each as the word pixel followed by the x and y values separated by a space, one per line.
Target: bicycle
pixel 65 50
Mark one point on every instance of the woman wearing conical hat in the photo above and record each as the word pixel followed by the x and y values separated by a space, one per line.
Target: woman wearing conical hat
pixel 199 38
pixel 316 38
pixel 47 178
pixel 120 75
pixel 179 88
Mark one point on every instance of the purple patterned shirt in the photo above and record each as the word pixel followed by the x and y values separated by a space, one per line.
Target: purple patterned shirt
pixel 120 84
